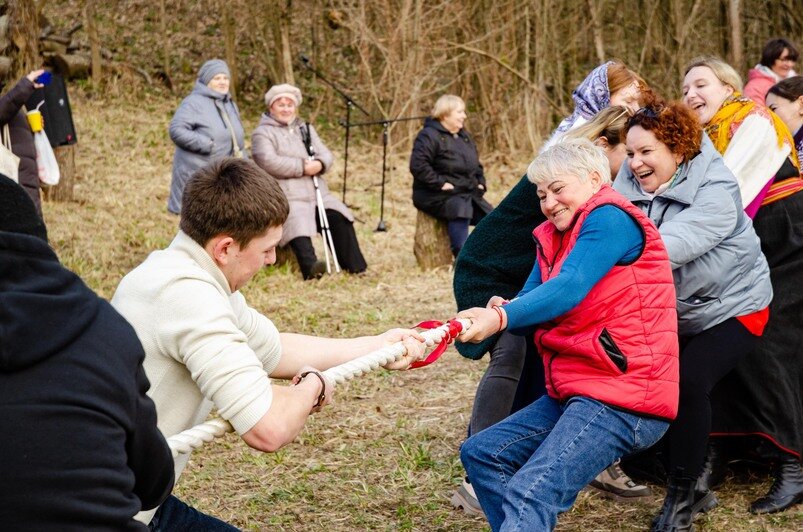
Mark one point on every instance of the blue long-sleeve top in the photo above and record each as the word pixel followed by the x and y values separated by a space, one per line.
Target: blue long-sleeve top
pixel 609 236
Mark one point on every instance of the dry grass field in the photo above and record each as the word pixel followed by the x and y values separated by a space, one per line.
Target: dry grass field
pixel 384 457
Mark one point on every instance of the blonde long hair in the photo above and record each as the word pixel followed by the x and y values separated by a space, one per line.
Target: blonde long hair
pixel 609 123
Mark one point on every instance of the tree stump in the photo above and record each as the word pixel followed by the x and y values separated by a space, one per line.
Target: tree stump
pixel 65 156
pixel 431 246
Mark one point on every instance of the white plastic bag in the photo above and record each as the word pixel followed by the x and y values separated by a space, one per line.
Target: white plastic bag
pixel 46 160
pixel 9 163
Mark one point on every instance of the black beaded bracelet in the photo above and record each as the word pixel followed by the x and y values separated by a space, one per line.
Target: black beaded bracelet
pixel 322 396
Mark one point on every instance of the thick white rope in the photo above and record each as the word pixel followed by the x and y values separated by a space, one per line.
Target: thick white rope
pixel 193 438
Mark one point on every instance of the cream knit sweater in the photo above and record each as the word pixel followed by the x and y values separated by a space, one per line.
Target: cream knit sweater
pixel 204 346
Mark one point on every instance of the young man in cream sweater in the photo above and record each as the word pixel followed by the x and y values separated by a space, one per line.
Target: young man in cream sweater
pixel 205 347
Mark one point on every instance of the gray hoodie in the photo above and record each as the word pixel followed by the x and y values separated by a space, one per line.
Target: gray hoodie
pixel 715 254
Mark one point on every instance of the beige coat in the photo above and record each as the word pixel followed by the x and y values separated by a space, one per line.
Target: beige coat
pixel 279 150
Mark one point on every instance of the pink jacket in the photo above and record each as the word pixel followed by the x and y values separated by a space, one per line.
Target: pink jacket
pixel 758 84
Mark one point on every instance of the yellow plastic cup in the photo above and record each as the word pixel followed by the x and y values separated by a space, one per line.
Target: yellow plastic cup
pixel 35 120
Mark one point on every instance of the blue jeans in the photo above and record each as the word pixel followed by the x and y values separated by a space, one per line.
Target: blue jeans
pixel 530 467
pixel 176 516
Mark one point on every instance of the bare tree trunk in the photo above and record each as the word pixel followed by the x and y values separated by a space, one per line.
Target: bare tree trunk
pixel 263 39
pixel 90 22
pixel 594 9
pixel 230 39
pixel 735 19
pixel 647 44
pixel 285 22
pixel 165 45
pixel 65 156
pixel 23 19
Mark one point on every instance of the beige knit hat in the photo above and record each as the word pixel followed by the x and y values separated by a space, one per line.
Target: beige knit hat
pixel 285 90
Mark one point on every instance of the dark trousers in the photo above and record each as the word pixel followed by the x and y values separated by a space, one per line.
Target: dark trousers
pixel 176 516
pixel 514 379
pixel 457 229
pixel 347 248
pixel 705 359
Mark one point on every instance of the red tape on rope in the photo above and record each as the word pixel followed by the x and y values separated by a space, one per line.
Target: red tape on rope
pixel 455 328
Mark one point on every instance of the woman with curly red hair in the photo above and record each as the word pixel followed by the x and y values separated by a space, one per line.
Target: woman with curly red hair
pixel 675 175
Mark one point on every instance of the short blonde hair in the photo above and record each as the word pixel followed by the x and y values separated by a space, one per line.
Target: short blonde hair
pixel 445 105
pixel 722 70
pixel 577 157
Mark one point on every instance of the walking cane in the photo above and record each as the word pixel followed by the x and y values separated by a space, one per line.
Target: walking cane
pixel 326 233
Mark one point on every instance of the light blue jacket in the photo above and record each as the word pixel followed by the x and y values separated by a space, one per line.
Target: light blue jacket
pixel 201 136
pixel 716 256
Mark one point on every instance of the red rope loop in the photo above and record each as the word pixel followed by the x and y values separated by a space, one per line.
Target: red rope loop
pixel 454 329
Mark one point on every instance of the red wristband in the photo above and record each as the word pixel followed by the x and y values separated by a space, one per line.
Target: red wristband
pixel 501 319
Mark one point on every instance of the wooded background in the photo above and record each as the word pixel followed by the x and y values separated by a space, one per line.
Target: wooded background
pixel 515 62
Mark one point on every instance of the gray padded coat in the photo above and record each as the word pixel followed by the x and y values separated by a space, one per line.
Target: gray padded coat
pixel 716 256
pixel 201 136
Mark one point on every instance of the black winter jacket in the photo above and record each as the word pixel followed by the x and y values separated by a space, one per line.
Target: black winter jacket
pixel 80 448
pixel 21 136
pixel 441 157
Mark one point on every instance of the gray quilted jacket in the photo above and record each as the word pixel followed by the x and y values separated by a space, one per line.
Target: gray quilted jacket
pixel 201 136
pixel 716 256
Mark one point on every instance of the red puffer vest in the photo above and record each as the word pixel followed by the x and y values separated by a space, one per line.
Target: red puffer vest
pixel 620 344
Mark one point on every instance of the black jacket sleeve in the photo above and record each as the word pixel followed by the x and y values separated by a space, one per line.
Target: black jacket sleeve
pixel 481 176
pixel 13 100
pixel 149 457
pixel 425 150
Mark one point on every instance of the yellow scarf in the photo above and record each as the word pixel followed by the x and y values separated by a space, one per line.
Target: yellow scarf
pixel 733 111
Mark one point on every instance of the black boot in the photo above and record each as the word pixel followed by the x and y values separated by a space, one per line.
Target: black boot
pixel 714 467
pixel 786 491
pixel 682 503
pixel 311 267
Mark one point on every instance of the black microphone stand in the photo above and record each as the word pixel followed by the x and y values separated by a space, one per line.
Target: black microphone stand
pixel 382 227
pixel 347 124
